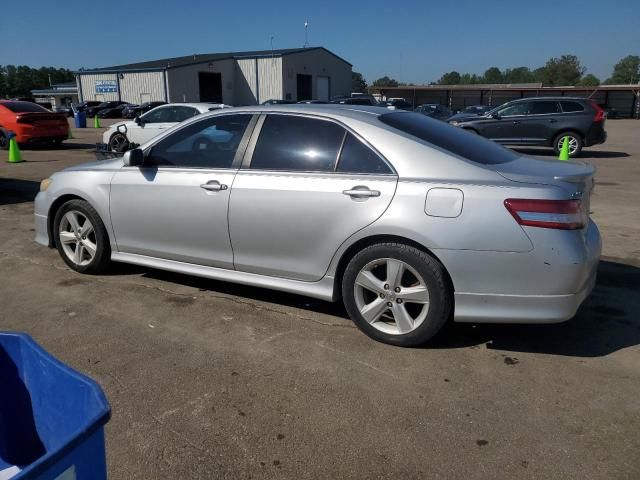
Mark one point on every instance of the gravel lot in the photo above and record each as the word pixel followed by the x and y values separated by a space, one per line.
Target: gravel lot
pixel 211 380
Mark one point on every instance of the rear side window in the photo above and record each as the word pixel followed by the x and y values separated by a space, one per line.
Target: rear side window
pixel 571 107
pixel 540 108
pixel 23 107
pixel 289 142
pixel 356 157
pixel 452 139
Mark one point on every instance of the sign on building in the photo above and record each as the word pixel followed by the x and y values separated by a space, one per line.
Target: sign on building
pixel 106 86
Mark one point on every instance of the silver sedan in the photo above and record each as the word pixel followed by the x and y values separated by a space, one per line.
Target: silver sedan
pixel 410 221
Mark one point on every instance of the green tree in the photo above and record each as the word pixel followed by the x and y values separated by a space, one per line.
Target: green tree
pixel 451 78
pixel 385 82
pixel 493 75
pixel 358 83
pixel 518 75
pixel 563 71
pixel 589 80
pixel 626 71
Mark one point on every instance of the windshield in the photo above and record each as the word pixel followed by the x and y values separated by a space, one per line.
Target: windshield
pixel 23 107
pixel 452 139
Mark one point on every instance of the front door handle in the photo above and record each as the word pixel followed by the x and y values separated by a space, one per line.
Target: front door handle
pixel 361 192
pixel 516 122
pixel 213 186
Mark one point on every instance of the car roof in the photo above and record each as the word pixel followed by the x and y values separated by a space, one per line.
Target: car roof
pixel 202 106
pixel 364 113
pixel 557 99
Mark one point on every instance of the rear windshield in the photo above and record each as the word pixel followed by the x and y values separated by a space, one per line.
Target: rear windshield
pixel 452 139
pixel 20 107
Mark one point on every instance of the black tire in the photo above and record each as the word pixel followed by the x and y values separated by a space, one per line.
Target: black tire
pixel 102 257
pixel 557 143
pixel 118 142
pixel 4 140
pixel 434 276
pixel 57 143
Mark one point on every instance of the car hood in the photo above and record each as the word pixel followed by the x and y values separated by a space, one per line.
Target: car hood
pixel 465 117
pixel 102 165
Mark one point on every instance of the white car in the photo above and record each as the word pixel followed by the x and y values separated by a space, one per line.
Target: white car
pixel 121 135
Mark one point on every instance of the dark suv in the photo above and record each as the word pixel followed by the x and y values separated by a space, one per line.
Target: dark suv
pixel 542 122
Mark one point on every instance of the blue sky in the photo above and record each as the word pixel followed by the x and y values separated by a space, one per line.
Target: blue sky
pixel 412 41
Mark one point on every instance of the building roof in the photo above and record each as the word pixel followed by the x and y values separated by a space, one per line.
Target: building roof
pixel 175 62
pixel 57 89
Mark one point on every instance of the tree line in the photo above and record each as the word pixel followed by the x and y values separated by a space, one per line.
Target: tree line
pixel 18 81
pixel 563 71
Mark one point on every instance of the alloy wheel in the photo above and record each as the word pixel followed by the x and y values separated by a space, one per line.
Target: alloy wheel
pixel 77 237
pixel 391 296
pixel 118 143
pixel 573 144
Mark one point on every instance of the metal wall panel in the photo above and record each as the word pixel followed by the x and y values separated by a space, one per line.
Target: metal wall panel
pixel 246 82
pixel 183 81
pixel 270 79
pixel 88 83
pixel 139 87
pixel 317 63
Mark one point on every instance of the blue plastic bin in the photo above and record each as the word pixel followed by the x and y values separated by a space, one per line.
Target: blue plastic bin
pixel 80 119
pixel 51 417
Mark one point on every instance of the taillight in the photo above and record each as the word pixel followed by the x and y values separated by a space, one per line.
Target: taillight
pixel 600 113
pixel 559 214
pixel 20 119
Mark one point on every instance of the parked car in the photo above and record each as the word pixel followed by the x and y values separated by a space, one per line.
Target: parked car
pixel 277 102
pixel 397 103
pixel 65 110
pixel 31 124
pixel 93 111
pixel 312 101
pixel 355 101
pixel 120 136
pixel 361 204
pixel 114 112
pixel 83 106
pixel 434 110
pixel 543 121
pixel 132 111
pixel 472 111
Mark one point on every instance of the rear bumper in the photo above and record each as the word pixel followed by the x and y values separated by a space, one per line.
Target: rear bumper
pixel 546 285
pixel 595 137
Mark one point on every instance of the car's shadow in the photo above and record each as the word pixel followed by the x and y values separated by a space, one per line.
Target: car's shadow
pixel 608 321
pixel 62 146
pixel 584 155
pixel 13 190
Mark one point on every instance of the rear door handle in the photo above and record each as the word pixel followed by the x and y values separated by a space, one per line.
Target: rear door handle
pixel 361 192
pixel 213 186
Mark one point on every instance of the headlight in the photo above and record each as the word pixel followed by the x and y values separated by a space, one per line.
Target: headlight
pixel 44 184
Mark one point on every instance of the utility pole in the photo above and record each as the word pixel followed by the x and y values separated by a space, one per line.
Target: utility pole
pixel 306 34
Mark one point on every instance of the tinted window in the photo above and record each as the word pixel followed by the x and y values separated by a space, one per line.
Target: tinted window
pixel 540 108
pixel 211 143
pixel 520 108
pixel 571 107
pixel 20 107
pixel 171 114
pixel 290 142
pixel 356 157
pixel 452 139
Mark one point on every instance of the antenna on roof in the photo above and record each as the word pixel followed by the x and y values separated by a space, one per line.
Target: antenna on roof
pixel 306 34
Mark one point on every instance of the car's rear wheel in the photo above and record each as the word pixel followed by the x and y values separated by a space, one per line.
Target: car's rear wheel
pixel 118 142
pixel 396 294
pixel 575 143
pixel 81 238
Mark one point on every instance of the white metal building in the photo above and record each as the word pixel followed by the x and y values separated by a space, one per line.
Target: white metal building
pixel 240 78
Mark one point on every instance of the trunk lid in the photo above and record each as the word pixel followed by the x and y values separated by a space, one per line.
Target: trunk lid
pixel 41 119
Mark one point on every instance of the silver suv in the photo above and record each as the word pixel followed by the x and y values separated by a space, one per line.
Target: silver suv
pixel 407 219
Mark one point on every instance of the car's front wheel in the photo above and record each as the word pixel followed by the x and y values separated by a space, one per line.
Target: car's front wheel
pixel 81 238
pixel 397 294
pixel 118 142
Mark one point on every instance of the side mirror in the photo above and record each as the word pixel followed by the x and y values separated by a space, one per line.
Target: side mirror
pixel 139 121
pixel 133 158
pixel 495 116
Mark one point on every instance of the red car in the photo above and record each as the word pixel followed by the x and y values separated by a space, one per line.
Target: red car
pixel 31 123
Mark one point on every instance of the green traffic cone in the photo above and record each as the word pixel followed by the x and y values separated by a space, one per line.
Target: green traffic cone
pixel 96 122
pixel 564 150
pixel 14 151
pixel 70 134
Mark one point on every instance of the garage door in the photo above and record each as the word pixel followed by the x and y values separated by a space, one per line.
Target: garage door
pixel 323 88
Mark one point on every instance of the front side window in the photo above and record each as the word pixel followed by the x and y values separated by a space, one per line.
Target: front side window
pixel 520 108
pixel 160 115
pixel 356 157
pixel 210 143
pixel 295 143
pixel 541 108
